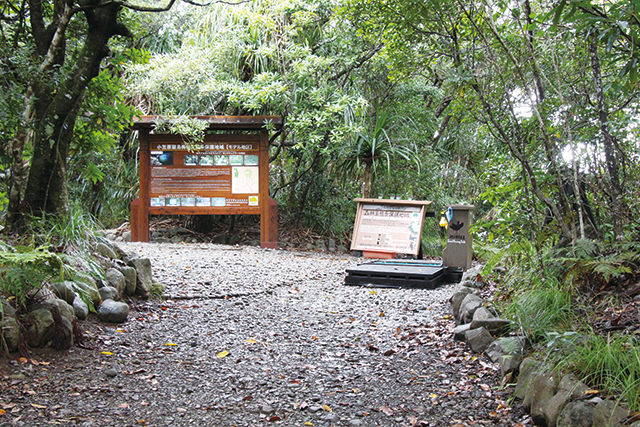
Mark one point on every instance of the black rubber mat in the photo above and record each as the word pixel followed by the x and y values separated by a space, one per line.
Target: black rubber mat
pixel 397 274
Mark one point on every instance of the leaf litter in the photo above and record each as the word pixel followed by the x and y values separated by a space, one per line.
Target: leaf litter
pixel 305 352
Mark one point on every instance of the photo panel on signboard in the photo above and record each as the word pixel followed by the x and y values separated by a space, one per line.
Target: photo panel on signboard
pixel 206 160
pixel 236 159
pixel 161 158
pixel 188 201
pixel 251 159
pixel 203 201
pixel 221 160
pixel 191 159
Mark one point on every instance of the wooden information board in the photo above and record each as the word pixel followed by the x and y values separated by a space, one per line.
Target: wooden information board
pixel 226 174
pixel 388 226
pixel 223 171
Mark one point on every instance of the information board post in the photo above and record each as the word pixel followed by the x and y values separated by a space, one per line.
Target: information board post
pixel 265 218
pixel 384 228
pixel 145 165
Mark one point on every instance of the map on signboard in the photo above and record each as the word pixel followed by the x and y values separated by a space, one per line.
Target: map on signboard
pixel 244 180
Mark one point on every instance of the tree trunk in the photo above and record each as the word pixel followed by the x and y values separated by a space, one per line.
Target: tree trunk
pixel 52 103
pixel 615 190
pixel 366 181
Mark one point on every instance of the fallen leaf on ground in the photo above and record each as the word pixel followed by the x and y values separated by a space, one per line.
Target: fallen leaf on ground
pixel 35 405
pixel 222 354
pixel 386 410
pixel 326 408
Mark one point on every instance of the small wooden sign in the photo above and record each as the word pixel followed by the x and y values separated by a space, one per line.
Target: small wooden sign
pixel 389 226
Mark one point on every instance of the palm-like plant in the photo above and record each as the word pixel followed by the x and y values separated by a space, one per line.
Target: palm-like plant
pixel 373 148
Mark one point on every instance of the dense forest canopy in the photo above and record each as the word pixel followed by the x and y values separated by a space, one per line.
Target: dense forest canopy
pixel 527 109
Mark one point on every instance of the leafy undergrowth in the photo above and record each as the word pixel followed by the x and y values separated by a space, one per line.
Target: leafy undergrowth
pixel 580 306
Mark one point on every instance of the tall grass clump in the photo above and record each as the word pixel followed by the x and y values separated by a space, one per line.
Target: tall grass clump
pixel 73 237
pixel 611 364
pixel 541 311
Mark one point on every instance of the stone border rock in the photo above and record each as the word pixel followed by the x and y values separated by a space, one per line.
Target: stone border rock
pixel 553 398
pixel 57 306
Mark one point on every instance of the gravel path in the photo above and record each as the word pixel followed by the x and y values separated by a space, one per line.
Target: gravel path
pixel 256 337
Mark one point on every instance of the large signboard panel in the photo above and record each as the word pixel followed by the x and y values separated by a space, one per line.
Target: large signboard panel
pixel 212 174
pixel 393 226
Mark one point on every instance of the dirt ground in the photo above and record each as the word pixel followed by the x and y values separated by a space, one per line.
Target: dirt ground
pixel 256 337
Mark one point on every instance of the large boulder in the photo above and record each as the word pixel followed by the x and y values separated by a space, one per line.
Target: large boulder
pixel 113 311
pixel 570 389
pixel 457 298
pixel 144 276
pixel 495 325
pixel 527 368
pixel 80 308
pixel 116 279
pixel 576 414
pixel 131 278
pixel 63 335
pixel 507 351
pixel 64 291
pixel 478 339
pixel 609 414
pixel 545 386
pixel 468 307
pixel 89 290
pixel 40 327
pixel 472 273
pixel 106 250
pixel 460 331
pixel 10 332
pixel 59 306
pixel 108 292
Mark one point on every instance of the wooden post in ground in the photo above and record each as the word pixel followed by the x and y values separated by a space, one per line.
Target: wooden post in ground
pixel 145 166
pixel 267 239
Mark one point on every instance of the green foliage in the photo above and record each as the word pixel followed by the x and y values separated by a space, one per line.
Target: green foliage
pixel 65 232
pixel 541 311
pixel 25 270
pixel 192 130
pixel 374 148
pixel 610 364
pixel 73 237
pixel 593 265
